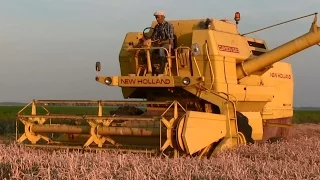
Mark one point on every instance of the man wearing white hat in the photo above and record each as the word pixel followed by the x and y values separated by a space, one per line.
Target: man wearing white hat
pixel 163 32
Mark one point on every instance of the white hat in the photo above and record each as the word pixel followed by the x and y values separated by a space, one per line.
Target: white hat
pixel 159 13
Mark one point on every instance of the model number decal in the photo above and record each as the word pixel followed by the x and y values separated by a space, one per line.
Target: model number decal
pixel 280 75
pixel 228 49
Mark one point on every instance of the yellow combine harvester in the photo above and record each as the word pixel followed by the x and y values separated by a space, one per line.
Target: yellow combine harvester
pixel 218 89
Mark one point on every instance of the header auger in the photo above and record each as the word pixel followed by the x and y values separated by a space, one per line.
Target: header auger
pixel 218 89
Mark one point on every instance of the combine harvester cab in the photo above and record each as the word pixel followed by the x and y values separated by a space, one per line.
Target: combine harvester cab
pixel 218 89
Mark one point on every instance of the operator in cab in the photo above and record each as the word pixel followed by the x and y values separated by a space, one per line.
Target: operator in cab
pixel 163 35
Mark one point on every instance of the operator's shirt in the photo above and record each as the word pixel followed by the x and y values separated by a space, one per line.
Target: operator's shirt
pixel 163 31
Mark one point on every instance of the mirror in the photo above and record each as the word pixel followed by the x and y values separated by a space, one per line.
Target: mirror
pixel 98 66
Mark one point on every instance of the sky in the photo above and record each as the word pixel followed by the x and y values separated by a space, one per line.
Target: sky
pixel 48 48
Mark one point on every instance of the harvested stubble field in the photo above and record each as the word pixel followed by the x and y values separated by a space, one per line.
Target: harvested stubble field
pixel 296 158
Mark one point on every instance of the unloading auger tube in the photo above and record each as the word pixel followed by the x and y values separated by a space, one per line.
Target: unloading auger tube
pixel 164 129
pixel 290 48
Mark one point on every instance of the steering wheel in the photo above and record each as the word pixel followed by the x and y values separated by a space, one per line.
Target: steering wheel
pixel 144 34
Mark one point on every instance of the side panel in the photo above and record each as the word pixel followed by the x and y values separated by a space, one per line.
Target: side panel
pixel 255 121
pixel 280 76
pixel 200 59
pixel 126 59
pixel 259 93
pixel 280 94
pixel 230 45
pixel 201 129
pixel 223 64
pixel 220 53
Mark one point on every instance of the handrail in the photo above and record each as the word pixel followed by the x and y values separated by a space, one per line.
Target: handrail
pixel 176 56
pixel 168 58
pixel 195 62
pixel 211 70
pixel 193 58
pixel 227 94
pixel 148 56
pixel 148 48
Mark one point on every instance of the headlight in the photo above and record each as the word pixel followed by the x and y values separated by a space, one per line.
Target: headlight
pixel 108 80
pixel 186 81
pixel 195 49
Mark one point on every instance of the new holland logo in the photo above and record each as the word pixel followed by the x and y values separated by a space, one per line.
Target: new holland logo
pixel 280 75
pixel 145 81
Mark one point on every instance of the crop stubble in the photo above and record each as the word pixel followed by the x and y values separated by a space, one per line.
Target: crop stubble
pixel 296 158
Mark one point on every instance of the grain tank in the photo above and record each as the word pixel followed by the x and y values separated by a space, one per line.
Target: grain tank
pixel 218 89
